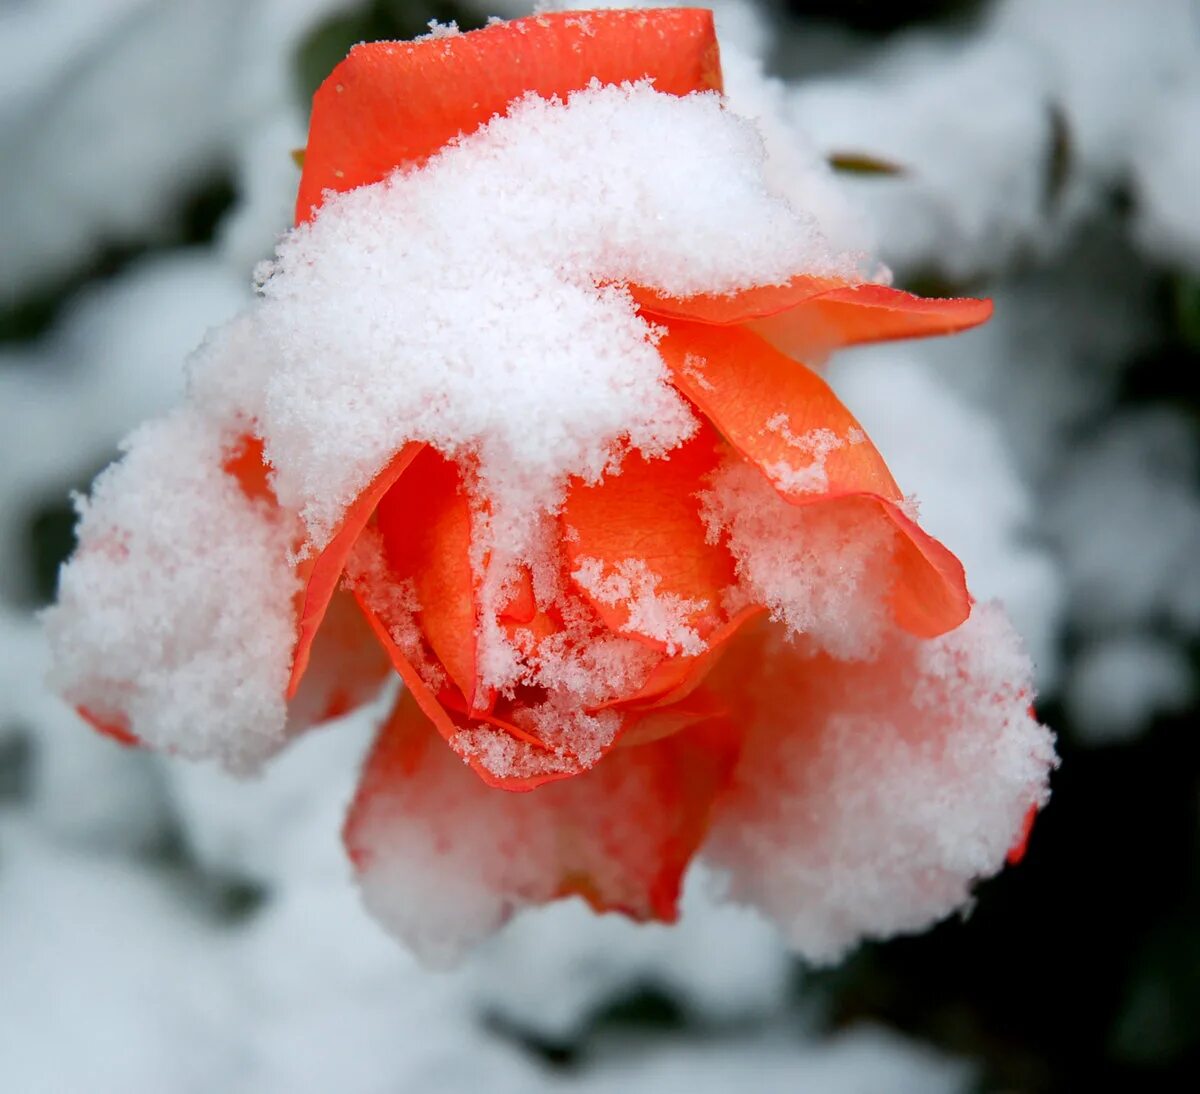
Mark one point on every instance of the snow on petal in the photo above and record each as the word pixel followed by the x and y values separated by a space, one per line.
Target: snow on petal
pixel 808 317
pixel 175 616
pixel 459 303
pixel 787 421
pixel 871 796
pixel 394 103
pixel 637 546
pixel 443 860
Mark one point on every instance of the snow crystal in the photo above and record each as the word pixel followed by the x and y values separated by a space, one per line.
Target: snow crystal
pixel 462 301
pixel 175 616
pixel 796 166
pixel 823 570
pixel 661 616
pixel 812 447
pixel 586 661
pixel 572 740
pixel 870 796
pixel 394 603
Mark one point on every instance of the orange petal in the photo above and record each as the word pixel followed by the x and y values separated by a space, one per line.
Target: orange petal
pixel 673 679
pixel 728 309
pixel 650 724
pixel 620 835
pixel 1017 851
pixel 113 728
pixel 425 520
pixel 856 314
pixel 777 413
pixel 810 316
pixel 446 710
pixel 323 572
pixel 783 418
pixel 929 594
pixel 392 103
pixel 414 683
pixel 248 465
pixel 643 526
pixel 522 605
pixel 346 668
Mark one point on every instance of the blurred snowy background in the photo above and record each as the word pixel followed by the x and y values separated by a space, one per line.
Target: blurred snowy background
pixel 163 928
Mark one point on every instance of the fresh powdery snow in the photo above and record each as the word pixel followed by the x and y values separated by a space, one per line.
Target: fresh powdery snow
pixel 823 573
pixel 145 628
pixel 870 795
pixel 477 304
pixel 463 302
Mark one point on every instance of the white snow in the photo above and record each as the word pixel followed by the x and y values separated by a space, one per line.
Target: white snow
pixel 174 618
pixel 824 571
pixel 872 795
pixel 459 303
pixel 661 616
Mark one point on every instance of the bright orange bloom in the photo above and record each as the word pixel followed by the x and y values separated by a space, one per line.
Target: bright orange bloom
pixel 390 104
pixel 615 816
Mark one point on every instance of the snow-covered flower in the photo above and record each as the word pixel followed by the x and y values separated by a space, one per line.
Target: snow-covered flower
pixel 522 415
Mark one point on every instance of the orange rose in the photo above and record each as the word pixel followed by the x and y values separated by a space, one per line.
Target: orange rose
pixel 641 710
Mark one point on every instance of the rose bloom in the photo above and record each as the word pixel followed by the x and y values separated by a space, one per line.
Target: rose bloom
pixel 523 415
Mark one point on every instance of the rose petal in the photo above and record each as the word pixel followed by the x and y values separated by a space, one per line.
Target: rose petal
pixel 445 708
pixel 733 308
pixel 522 605
pixel 673 679
pixel 324 571
pixel 929 595
pixel 346 668
pixel 642 727
pixel 777 413
pixel 112 728
pixel 620 835
pixel 645 522
pixel 810 316
pixel 249 466
pixel 1017 851
pixel 857 314
pixel 784 419
pixel 870 796
pixel 392 103
pixel 425 521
